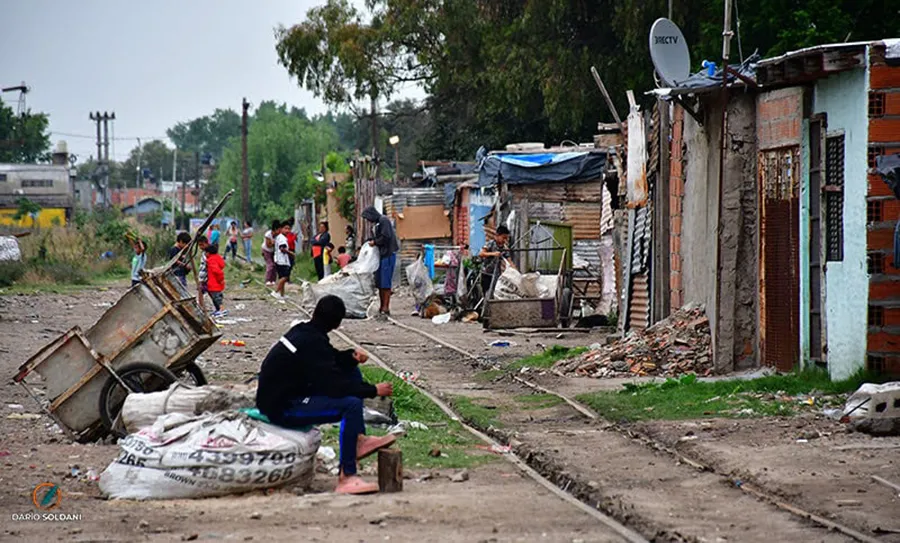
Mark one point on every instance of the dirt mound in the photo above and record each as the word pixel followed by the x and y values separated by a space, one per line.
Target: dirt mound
pixel 677 345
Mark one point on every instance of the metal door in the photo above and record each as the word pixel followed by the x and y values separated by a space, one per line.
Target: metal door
pixel 816 255
pixel 778 172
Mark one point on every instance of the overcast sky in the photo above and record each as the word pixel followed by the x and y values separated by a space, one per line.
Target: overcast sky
pixel 153 62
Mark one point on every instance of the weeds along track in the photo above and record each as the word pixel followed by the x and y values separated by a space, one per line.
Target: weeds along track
pixel 610 524
pixel 569 484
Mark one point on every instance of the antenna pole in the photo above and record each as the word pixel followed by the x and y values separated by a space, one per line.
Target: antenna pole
pixel 670 10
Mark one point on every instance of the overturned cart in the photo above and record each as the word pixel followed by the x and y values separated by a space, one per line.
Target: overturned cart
pixel 143 343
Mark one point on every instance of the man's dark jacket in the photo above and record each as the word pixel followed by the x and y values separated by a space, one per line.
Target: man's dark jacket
pixel 315 369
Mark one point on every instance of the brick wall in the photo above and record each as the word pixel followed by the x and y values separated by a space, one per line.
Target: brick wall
pixel 779 116
pixel 883 212
pixel 676 199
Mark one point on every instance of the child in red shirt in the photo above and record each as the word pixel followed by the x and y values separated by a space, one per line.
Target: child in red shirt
pixel 215 283
pixel 343 257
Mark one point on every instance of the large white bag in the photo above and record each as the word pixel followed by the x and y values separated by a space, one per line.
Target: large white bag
pixel 355 284
pixel 184 456
pixel 142 410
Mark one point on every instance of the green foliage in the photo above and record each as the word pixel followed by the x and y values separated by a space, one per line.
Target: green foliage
pixel 25 138
pixel 157 157
pixel 546 359
pixel 538 401
pixel 10 272
pixel 687 397
pixel 26 208
pixel 284 147
pixel 475 412
pixel 346 201
pixel 209 134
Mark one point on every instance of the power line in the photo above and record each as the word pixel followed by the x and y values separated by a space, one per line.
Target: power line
pixel 119 138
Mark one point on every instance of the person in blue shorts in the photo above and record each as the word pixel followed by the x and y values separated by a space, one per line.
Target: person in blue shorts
pixel 385 239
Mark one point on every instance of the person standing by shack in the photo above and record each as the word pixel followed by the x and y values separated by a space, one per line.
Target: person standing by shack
pixel 494 253
pixel 247 238
pixel 213 234
pixel 292 242
pixel 319 243
pixel 282 261
pixel 304 380
pixel 180 268
pixel 215 284
pixel 138 260
pixel 268 252
pixel 385 239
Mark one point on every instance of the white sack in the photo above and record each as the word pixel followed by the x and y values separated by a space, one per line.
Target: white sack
pixel 509 285
pixel 141 410
pixel 355 284
pixel 183 456
pixel 419 281
pixel 9 249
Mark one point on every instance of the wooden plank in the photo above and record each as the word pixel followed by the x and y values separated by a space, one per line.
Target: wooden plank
pixel 390 470
pixel 423 222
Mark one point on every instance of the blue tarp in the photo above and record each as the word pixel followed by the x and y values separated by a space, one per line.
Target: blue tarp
pixel 528 169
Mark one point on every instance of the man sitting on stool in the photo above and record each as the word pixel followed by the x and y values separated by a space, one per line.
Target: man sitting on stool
pixel 304 381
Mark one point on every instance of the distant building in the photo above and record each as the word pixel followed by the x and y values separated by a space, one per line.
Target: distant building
pixel 143 207
pixel 47 185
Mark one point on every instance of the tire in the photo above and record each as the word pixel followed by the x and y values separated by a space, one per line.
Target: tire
pixel 140 377
pixel 565 306
pixel 193 375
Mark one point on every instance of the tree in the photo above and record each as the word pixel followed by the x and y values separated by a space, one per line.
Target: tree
pixel 283 149
pixel 155 156
pixel 209 134
pixel 26 208
pixel 23 138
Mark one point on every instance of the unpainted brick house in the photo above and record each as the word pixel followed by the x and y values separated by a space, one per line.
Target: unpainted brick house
pixel 792 251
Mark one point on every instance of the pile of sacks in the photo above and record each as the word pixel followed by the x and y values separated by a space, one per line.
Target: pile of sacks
pixel 354 284
pixel 677 345
pixel 514 285
pixel 206 441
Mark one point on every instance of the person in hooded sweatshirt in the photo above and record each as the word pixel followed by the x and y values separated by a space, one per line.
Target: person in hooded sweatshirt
pixel 384 238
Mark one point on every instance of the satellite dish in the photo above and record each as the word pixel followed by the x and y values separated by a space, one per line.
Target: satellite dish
pixel 669 52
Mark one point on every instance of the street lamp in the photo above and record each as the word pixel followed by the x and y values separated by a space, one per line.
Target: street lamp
pixel 395 141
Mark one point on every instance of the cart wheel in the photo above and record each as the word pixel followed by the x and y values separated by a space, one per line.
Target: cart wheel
pixel 193 375
pixel 140 377
pixel 565 307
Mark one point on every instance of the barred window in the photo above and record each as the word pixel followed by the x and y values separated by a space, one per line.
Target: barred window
pixel 834 198
pixel 34 183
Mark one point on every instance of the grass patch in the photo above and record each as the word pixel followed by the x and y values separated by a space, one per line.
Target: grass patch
pixel 539 401
pixel 457 446
pixel 487 376
pixel 474 412
pixel 547 358
pixel 689 398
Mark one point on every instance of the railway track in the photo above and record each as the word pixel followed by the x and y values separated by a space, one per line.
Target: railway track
pixel 558 479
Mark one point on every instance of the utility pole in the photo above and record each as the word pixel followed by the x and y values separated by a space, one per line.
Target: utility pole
pixel 197 181
pixel 183 191
pixel 245 179
pixel 138 182
pixel 103 150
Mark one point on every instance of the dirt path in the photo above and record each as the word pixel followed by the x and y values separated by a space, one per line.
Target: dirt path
pixel 496 504
pixel 650 491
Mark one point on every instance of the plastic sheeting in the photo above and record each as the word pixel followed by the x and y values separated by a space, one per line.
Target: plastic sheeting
pixel 529 169
pixel 9 249
pixel 888 167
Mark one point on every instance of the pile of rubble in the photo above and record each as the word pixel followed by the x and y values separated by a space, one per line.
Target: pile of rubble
pixel 677 345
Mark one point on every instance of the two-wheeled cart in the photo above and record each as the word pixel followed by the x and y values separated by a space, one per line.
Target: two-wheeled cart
pixel 144 343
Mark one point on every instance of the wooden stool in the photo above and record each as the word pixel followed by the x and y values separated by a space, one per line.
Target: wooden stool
pixel 390 470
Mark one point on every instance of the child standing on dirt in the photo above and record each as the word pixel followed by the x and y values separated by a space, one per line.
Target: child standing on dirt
pixel 202 275
pixel 138 261
pixel 327 258
pixel 215 283
pixel 180 268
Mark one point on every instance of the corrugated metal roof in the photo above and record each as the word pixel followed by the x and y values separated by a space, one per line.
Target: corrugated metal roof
pixel 405 197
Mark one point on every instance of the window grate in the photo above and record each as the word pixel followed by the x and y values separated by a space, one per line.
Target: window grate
pixel 876 104
pixel 876 263
pixel 876 315
pixel 875 363
pixel 34 183
pixel 874 211
pixel 874 153
pixel 834 198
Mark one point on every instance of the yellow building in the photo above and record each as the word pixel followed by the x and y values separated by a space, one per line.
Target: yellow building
pixel 47 185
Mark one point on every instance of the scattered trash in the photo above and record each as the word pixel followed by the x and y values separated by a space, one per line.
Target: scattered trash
pixel 434 452
pixel 103 304
pixel 256 515
pixel 674 346
pixel 326 454
pixel 92 475
pixel 595 347
pixel 233 343
pixel 240 307
pixel 15 406
pixel 460 477
pixel 471 316
pixel 408 376
pixel 500 343
pixel 496 449
pixel 801 440
pixel 401 427
pixel 35 322
pixel 414 425
pixel 848 503
pixel 835 414
pixel 441 319
pixel 23 416
pixel 4 453
pixel 75 472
